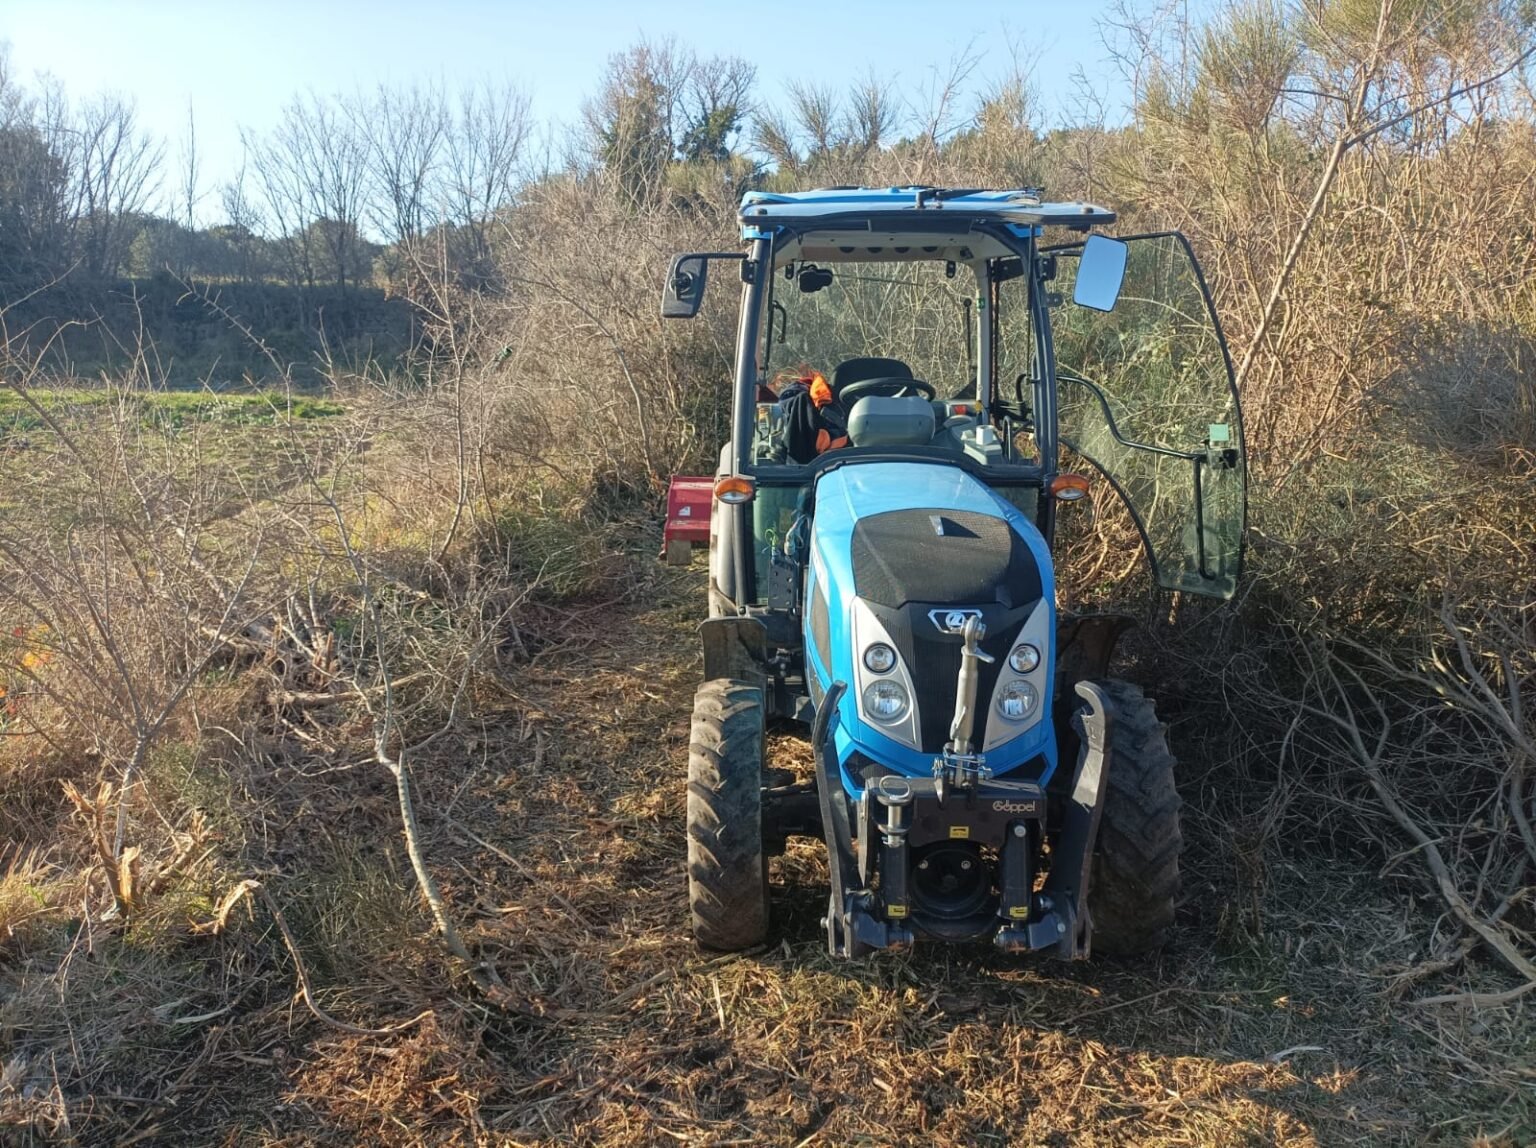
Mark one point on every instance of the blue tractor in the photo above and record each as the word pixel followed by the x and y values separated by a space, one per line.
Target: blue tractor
pixel 914 369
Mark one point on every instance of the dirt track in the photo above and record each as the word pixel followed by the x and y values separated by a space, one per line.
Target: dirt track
pixel 1224 1040
pixel 559 839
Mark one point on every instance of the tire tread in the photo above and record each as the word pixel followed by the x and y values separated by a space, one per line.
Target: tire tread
pixel 1135 879
pixel 727 869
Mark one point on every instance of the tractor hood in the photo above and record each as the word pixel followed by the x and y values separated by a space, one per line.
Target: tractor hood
pixel 902 554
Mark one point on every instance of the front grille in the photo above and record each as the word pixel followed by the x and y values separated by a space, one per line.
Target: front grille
pixel 935 665
pixel 932 658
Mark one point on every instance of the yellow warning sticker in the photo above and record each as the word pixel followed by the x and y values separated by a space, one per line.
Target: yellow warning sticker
pixel 895 910
pixel 960 832
pixel 1019 912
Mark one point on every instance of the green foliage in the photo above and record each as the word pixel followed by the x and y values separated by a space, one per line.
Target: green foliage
pixel 1246 57
pixel 165 409
pixel 661 106
pixel 709 138
pixel 634 136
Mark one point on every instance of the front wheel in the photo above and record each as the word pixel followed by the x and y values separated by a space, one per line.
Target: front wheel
pixel 727 868
pixel 1135 878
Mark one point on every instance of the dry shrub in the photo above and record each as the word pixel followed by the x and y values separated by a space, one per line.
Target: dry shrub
pixel 601 387
pixel 229 643
pixel 1468 393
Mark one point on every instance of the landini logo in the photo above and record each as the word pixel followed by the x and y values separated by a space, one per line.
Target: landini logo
pixel 952 621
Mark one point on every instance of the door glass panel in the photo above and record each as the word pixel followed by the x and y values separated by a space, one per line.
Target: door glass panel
pixel 774 510
pixel 1146 395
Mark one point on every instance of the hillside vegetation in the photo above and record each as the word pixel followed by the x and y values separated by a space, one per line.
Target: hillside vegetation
pixel 341 785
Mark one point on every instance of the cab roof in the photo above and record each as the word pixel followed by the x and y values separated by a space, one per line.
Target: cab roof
pixel 914 210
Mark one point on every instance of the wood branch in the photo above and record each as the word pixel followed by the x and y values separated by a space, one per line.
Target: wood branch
pixel 1369 761
pixel 1448 97
pixel 1479 1000
pixel 307 991
pixel 321 698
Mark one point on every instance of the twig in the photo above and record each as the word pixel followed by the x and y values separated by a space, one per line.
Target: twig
pixel 523 869
pixel 304 985
pixel 1479 1000
pixel 1369 761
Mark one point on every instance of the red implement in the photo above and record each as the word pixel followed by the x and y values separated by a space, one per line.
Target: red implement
pixel 688 505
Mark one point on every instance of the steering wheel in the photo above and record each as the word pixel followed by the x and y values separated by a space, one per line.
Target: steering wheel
pixel 888 386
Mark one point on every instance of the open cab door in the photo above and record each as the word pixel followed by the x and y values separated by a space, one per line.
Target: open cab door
pixel 1146 394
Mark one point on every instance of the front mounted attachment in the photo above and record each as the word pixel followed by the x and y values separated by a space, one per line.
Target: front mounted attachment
pixel 959 765
pixel 1065 892
pixel 853 927
pixel 958 856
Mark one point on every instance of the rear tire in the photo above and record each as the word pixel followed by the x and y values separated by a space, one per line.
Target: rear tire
pixel 727 868
pixel 1135 880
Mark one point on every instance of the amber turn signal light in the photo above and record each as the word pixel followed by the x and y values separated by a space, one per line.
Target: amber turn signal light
pixel 735 490
pixel 1069 487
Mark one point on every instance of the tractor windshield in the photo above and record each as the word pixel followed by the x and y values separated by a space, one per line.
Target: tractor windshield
pixel 920 314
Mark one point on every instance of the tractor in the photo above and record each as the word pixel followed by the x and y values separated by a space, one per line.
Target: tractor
pixel 925 379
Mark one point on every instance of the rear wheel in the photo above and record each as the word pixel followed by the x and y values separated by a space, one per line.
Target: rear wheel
pixel 727 867
pixel 1136 859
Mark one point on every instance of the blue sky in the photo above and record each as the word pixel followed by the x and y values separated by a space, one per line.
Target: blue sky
pixel 240 63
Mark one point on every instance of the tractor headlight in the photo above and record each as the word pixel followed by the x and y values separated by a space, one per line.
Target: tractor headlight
pixel 886 701
pixel 1024 658
pixel 1017 700
pixel 880 658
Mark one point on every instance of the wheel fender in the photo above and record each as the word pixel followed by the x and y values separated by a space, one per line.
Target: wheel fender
pixel 735 647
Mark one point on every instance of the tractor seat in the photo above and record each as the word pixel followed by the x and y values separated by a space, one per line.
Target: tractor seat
pixel 879 421
pixel 871 367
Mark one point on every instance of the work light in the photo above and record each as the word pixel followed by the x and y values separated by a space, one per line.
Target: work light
pixel 1016 700
pixel 886 701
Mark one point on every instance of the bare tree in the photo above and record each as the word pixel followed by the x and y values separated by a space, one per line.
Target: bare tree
pixel 34 186
pixel 773 135
pixel 406 133
pixel 716 101
pixel 483 156
pixel 190 174
pixel 872 114
pixel 245 222
pixel 810 134
pixel 816 108
pixel 286 205
pixel 312 170
pixel 633 125
pixel 116 175
pixel 940 114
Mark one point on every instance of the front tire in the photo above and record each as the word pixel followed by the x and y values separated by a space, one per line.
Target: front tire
pixel 727 868
pixel 1135 880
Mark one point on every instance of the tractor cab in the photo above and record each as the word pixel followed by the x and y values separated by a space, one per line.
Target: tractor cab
pixel 917 371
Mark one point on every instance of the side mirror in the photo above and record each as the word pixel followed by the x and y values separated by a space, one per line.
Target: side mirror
pixel 1100 273
pixel 683 293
